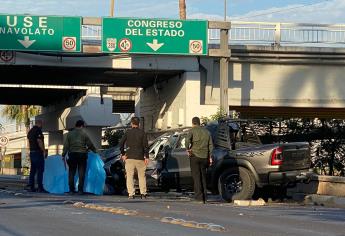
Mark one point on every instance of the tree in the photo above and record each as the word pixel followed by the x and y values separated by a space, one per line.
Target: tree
pixel 325 136
pixel 182 9
pixel 21 114
pixel 220 114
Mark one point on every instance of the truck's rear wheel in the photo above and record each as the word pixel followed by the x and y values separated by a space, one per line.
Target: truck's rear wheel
pixel 236 184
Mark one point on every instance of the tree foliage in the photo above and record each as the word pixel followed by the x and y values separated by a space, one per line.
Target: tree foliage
pixel 325 136
pixel 20 113
pixel 215 117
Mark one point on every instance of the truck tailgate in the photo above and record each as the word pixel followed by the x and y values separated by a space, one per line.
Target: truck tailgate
pixel 296 156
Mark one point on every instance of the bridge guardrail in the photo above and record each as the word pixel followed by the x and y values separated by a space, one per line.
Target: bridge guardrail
pixel 262 33
pixel 91 32
pixel 321 35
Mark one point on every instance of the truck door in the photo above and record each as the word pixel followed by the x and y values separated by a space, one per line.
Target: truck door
pixel 178 164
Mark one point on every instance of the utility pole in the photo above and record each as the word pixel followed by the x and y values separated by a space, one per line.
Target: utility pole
pixel 112 6
pixel 225 9
pixel 182 9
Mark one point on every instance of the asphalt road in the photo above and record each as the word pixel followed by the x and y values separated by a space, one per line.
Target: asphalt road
pixel 24 213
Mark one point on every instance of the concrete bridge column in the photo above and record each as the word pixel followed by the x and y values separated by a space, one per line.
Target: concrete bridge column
pixel 194 103
pixel 55 142
pixel 96 113
pixel 95 134
pixel 172 104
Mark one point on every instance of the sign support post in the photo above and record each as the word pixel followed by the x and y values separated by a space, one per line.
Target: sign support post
pixel 224 71
pixel 224 54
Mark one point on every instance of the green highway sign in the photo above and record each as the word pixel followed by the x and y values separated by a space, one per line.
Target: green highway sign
pixel 40 33
pixel 154 36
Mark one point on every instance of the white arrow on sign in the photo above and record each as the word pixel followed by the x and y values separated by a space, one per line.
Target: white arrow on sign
pixel 155 45
pixel 26 42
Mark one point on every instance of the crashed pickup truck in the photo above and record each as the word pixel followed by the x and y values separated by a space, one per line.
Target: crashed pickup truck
pixel 241 163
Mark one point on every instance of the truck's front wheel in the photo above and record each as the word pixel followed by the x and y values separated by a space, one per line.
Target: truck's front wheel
pixel 236 183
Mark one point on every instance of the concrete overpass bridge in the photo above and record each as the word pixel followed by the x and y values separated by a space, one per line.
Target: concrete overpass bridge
pixel 274 69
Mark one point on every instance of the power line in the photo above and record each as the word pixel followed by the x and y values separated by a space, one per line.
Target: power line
pixel 283 10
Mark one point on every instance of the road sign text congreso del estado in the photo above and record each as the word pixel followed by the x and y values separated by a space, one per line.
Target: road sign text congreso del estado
pixel 154 36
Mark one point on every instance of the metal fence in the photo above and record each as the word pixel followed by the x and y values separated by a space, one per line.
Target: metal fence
pixel 261 33
pixel 91 33
pixel 266 33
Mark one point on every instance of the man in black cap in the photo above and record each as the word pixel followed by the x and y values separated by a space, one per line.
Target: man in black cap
pixel 76 145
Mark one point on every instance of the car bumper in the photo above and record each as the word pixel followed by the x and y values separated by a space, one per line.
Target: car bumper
pixel 286 177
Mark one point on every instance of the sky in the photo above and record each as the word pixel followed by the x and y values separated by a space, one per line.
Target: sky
pixel 323 11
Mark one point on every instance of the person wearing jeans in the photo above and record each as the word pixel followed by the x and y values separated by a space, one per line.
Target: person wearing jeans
pixel 37 167
pixel 37 156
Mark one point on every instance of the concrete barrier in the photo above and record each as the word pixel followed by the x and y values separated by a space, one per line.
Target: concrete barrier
pixel 328 191
pixel 321 185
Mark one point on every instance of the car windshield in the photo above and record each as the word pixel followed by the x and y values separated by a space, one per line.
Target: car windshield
pixel 158 145
pixel 162 142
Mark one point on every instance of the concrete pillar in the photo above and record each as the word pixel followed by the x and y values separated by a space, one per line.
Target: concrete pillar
pixel 95 134
pixel 55 142
pixel 193 99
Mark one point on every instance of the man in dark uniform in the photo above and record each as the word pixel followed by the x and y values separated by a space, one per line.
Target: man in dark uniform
pixel 77 144
pixel 136 157
pixel 199 146
pixel 37 155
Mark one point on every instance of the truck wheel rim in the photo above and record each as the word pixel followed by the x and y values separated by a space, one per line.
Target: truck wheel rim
pixel 233 184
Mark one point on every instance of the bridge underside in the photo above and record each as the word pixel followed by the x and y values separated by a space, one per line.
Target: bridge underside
pixel 48 76
pixel 81 76
pixel 36 96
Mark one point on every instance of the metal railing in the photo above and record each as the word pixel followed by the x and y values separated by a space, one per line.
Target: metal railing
pixel 91 33
pixel 265 33
pixel 261 33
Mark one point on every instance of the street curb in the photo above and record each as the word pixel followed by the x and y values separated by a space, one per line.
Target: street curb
pixel 325 200
pixel 259 202
pixel 14 177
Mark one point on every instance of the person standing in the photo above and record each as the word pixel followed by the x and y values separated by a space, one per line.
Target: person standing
pixel 135 157
pixel 37 156
pixel 199 147
pixel 76 146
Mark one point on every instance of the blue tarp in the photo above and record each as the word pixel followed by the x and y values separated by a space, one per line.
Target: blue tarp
pixel 55 178
pixel 95 175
